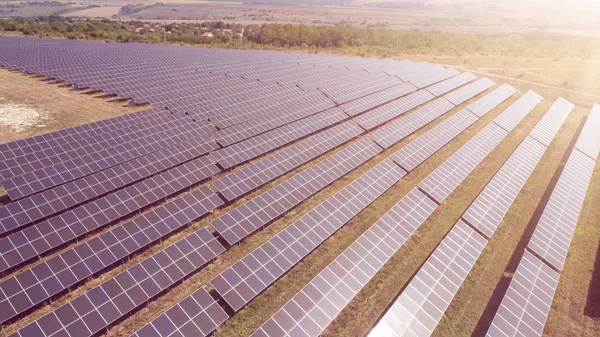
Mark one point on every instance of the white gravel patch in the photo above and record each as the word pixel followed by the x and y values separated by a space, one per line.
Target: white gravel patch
pixel 21 117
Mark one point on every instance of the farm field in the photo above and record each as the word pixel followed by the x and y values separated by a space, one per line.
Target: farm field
pixel 478 17
pixel 473 308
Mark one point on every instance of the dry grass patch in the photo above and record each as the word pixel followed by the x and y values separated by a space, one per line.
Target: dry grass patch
pixel 30 107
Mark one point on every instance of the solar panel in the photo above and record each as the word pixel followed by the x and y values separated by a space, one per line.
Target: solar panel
pixel 554 231
pixel 374 100
pixel 589 139
pixel 405 126
pixel 490 101
pixel 389 111
pixel 261 144
pixel 525 307
pixel 549 125
pixel 413 154
pixel 463 94
pixel 198 315
pixel 435 77
pixel 96 309
pixel 270 121
pixel 45 178
pixel 450 84
pixel 311 310
pixel 82 132
pixel 31 157
pixel 254 273
pixel 33 286
pixel 347 90
pixel 49 202
pixel 240 222
pixel 240 182
pixel 515 113
pixel 423 302
pixel 441 182
pixel 487 212
pixel 44 236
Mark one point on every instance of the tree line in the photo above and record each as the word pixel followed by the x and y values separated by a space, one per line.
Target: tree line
pixel 343 38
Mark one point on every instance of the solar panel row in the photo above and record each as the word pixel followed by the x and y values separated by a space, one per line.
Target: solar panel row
pixel 423 147
pixel 33 286
pixel 554 231
pixel 448 85
pixel 253 147
pixel 240 222
pixel 441 182
pixel 62 197
pixel 433 78
pixel 589 140
pixel 47 177
pixel 95 310
pixel 490 207
pixel 240 182
pixel 54 232
pixel 526 304
pixel 390 134
pixel 310 311
pixel 422 304
pixel 467 92
pixel 197 315
pixel 369 102
pixel 39 160
pixel 258 270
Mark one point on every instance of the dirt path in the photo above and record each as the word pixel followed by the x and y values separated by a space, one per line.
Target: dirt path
pixel 478 70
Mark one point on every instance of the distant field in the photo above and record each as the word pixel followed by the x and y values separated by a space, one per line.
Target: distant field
pixel 102 12
pixel 480 16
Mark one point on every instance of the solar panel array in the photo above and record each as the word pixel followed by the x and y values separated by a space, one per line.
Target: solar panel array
pixel 44 236
pixel 526 304
pixel 260 115
pixel 52 201
pixel 248 178
pixel 35 285
pixel 332 289
pixel 444 179
pixel 96 309
pixel 259 269
pixel 421 305
pixel 423 302
pixel 240 222
pixel 394 132
pixel 72 182
pixel 417 151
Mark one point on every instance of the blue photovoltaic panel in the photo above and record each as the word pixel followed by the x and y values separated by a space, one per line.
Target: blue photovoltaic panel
pixel 423 302
pixel 102 305
pixel 246 179
pixel 549 125
pixel 405 126
pixel 310 311
pixel 465 93
pixel 247 278
pixel 526 304
pixel 450 84
pixel 589 139
pixel 243 220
